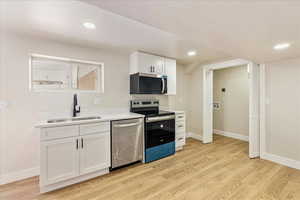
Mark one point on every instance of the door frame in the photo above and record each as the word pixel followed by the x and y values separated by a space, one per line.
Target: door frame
pixel 254 93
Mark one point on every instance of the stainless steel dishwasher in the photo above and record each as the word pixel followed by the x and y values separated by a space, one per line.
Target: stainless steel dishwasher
pixel 127 142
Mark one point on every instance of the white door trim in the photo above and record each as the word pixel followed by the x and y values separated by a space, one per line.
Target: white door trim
pixel 262 110
pixel 207 104
pixel 208 99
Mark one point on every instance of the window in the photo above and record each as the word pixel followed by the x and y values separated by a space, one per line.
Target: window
pixel 63 74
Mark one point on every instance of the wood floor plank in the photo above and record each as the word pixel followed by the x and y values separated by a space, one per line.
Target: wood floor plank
pixel 217 171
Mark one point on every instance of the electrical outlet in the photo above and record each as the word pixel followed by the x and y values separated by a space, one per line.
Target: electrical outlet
pixel 216 105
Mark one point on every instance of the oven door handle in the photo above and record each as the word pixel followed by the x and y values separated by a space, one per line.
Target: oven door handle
pixel 127 125
pixel 155 119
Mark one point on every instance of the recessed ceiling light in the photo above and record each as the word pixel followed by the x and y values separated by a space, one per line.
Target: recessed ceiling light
pixel 281 46
pixel 89 25
pixel 191 53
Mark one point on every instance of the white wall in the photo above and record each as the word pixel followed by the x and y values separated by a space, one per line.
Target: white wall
pixel 1 99
pixel 233 114
pixel 195 101
pixel 283 109
pixel 20 140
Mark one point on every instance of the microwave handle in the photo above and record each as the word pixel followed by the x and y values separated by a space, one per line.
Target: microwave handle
pixel 163 85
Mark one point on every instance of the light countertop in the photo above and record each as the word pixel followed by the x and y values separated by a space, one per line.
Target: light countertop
pixel 104 117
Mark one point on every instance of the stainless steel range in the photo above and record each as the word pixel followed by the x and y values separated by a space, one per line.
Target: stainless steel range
pixel 159 129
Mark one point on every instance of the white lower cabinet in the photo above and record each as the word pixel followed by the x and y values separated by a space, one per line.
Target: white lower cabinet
pixel 68 160
pixel 95 152
pixel 59 160
pixel 180 130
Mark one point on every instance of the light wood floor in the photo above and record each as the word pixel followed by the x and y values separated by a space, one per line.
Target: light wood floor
pixel 221 170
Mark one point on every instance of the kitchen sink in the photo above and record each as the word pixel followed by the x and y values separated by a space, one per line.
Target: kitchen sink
pixel 57 120
pixel 72 119
pixel 84 118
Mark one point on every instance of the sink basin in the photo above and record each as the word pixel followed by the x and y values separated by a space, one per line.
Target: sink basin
pixel 85 118
pixel 57 120
pixel 72 119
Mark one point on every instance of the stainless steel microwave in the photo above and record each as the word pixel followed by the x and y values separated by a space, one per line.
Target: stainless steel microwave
pixel 141 83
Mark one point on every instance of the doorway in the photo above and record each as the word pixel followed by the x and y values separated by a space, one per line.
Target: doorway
pixel 253 78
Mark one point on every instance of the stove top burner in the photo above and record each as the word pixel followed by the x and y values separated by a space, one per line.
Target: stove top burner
pixel 159 113
pixel 149 108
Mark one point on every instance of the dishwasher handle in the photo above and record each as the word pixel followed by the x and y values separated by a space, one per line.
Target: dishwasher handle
pixel 127 125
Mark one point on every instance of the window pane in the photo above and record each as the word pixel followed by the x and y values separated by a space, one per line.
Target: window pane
pixel 58 74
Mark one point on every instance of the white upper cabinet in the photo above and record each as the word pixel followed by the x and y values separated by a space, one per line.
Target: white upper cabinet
pixel 152 64
pixel 170 71
pixel 146 63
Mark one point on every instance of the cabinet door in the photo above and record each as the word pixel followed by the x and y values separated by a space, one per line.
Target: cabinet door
pixel 94 152
pixel 60 160
pixel 170 68
pixel 159 65
pixel 146 63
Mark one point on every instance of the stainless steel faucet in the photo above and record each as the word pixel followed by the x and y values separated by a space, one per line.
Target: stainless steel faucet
pixel 76 107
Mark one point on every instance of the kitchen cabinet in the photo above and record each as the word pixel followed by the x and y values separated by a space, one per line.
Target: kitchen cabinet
pixel 95 152
pixel 170 72
pixel 59 160
pixel 73 153
pixel 146 63
pixel 152 64
pixel 180 130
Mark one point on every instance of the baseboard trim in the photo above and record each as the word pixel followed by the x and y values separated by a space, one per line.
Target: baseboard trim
pixel 62 184
pixel 194 136
pixel 281 160
pixel 232 135
pixel 20 175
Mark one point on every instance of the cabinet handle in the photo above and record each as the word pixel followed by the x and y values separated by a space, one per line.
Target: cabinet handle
pixel 180 126
pixel 82 143
pixel 77 144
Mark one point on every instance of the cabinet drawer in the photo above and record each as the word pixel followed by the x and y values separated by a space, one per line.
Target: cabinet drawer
pixel 100 127
pixel 180 141
pixel 180 134
pixel 180 126
pixel 180 117
pixel 59 132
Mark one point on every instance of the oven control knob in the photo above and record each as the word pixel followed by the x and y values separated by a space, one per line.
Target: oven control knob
pixel 161 126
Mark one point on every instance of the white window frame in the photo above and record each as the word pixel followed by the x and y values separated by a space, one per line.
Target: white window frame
pixel 100 75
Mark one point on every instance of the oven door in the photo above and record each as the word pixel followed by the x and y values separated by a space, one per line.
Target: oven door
pixel 159 130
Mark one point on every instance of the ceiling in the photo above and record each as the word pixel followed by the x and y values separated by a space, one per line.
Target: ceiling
pixel 215 29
